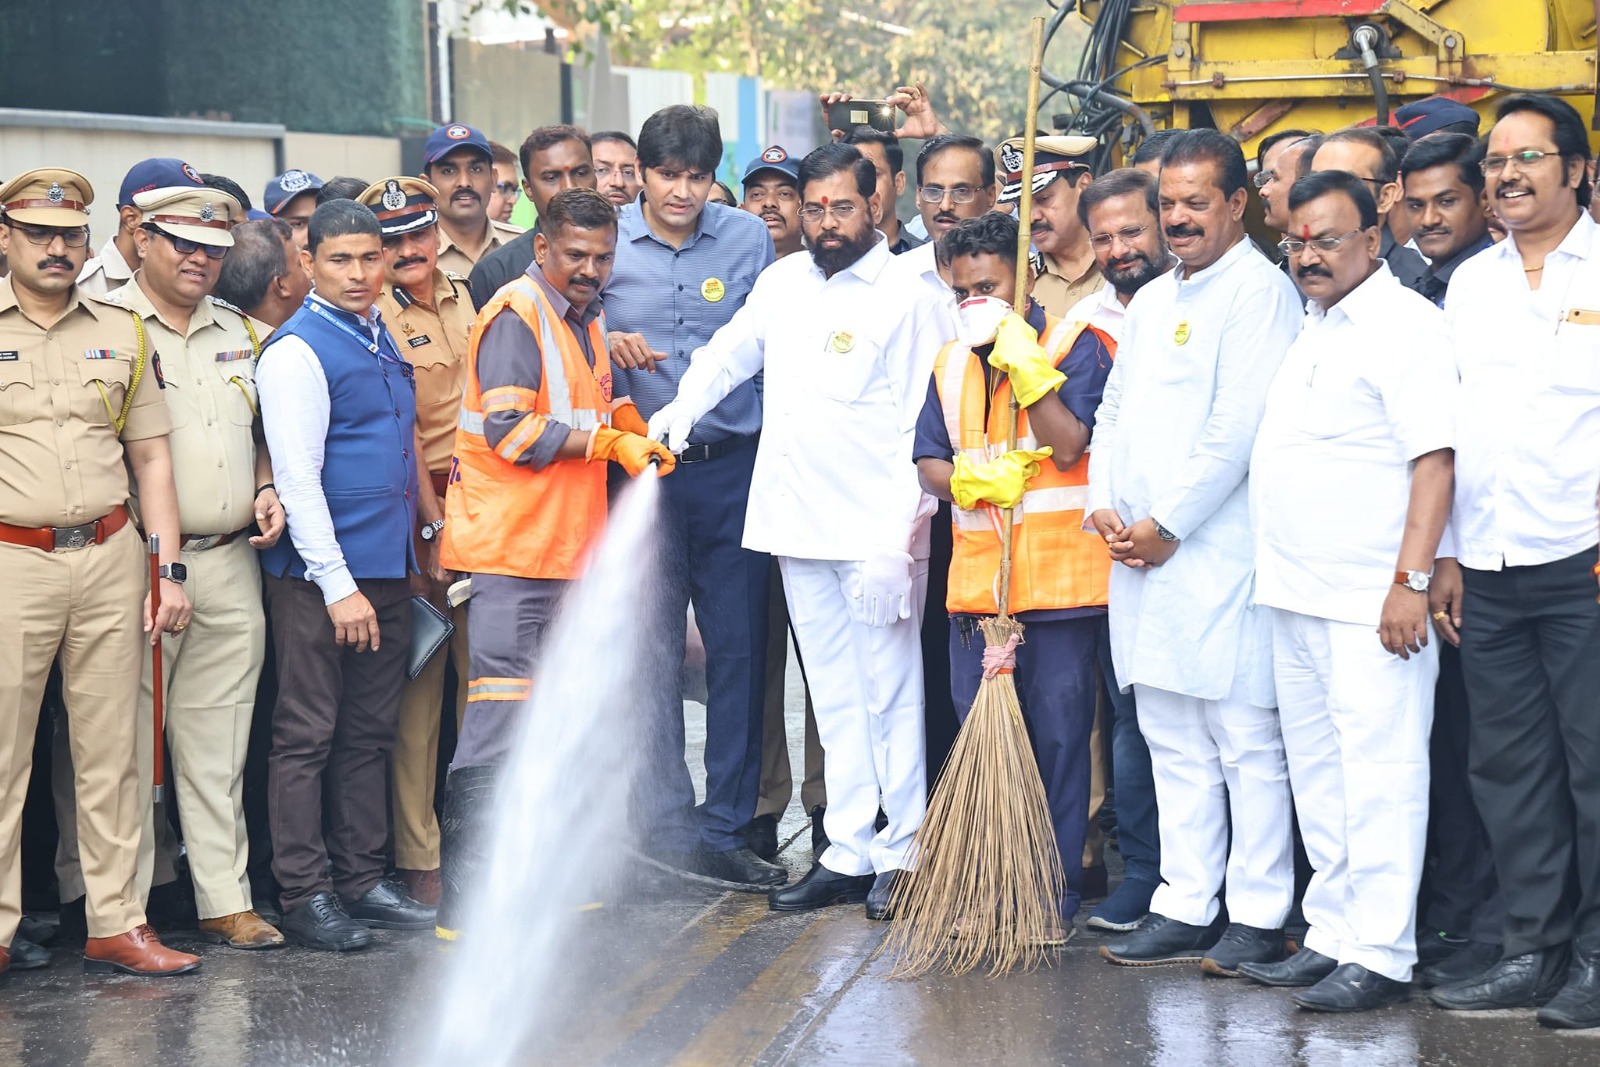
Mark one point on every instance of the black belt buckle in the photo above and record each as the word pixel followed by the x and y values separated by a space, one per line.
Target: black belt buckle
pixel 695 454
pixel 73 537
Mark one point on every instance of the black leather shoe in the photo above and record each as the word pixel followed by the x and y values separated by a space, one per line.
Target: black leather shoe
pixel 740 868
pixel 1436 946
pixel 1304 968
pixel 820 888
pixel 1576 1007
pixel 883 888
pixel 819 836
pixel 1158 940
pixel 387 906
pixel 36 930
pixel 761 834
pixel 1469 961
pixel 321 922
pixel 28 956
pixel 1351 987
pixel 1524 981
pixel 1242 944
pixel 469 795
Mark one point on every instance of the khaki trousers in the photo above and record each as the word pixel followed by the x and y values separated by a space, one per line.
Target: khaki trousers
pixel 777 779
pixel 209 673
pixel 415 766
pixel 85 607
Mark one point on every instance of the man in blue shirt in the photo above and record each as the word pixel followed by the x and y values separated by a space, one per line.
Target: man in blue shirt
pixel 683 268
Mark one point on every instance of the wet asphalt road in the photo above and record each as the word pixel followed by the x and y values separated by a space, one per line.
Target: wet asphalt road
pixel 669 973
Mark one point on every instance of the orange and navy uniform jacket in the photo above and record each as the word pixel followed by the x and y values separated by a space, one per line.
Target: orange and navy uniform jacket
pixel 1058 570
pixel 511 507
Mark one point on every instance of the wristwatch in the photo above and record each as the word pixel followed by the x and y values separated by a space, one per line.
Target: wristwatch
pixel 1164 533
pixel 1416 581
pixel 174 572
pixel 430 530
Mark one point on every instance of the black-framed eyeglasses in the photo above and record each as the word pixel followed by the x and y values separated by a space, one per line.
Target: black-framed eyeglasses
pixel 1293 246
pixel 1526 158
pixel 43 236
pixel 185 247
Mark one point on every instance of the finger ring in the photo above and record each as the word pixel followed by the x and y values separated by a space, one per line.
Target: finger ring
pixel 1439 615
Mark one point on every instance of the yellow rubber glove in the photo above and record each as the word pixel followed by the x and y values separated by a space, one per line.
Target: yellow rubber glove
pixel 630 451
pixel 1000 482
pixel 1017 353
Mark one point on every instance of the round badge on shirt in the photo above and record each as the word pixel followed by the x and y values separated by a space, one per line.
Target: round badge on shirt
pixel 1181 334
pixel 843 342
pixel 713 290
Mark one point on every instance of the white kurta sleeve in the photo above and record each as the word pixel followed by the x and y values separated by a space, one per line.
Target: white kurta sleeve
pixel 733 355
pixel 294 416
pixel 908 363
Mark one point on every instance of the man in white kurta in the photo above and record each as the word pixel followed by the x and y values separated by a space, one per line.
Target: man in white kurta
pixel 1350 486
pixel 1167 474
pixel 846 349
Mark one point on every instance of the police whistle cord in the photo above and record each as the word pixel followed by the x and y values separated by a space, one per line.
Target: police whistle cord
pixel 988 878
pixel 158 765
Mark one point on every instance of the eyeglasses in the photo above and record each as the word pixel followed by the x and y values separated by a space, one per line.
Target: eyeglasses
pixel 628 173
pixel 1293 246
pixel 1262 177
pixel 185 247
pixel 783 194
pixel 1103 241
pixel 959 194
pixel 42 236
pixel 506 188
pixel 1525 158
pixel 843 212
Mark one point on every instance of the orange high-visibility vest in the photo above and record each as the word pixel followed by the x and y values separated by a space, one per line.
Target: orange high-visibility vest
pixel 1055 564
pixel 502 517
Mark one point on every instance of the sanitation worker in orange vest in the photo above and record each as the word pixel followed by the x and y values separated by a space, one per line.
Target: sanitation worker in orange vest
pixel 527 492
pixel 1059 573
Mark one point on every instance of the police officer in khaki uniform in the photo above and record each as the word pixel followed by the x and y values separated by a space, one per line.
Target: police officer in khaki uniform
pixel 77 397
pixel 113 267
pixel 459 163
pixel 429 312
pixel 207 352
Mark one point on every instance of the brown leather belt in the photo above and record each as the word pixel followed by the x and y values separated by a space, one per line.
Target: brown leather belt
pixel 58 538
pixel 203 542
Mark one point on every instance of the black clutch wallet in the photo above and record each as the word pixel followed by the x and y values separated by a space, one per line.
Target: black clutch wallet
pixel 430 629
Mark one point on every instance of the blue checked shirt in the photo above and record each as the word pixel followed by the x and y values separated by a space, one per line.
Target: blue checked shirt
pixel 678 297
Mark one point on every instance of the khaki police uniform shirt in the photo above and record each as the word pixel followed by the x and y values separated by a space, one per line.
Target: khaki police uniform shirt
pixel 105 272
pixel 458 260
pixel 60 455
pixel 435 341
pixel 209 374
pixel 1057 289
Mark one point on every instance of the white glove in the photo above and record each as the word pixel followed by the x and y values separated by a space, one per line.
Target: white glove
pixel 671 426
pixel 885 590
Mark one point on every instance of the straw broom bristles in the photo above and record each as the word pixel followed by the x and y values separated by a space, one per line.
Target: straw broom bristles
pixel 988 876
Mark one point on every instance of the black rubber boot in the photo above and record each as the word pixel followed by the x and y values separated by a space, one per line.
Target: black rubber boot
pixel 463 841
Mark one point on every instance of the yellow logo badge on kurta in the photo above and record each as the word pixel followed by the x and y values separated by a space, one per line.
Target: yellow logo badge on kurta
pixel 843 341
pixel 713 290
pixel 1181 334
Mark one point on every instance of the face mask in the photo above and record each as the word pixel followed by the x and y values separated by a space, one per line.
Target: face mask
pixel 979 318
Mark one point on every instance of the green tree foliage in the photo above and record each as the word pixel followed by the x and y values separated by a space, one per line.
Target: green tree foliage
pixel 971 56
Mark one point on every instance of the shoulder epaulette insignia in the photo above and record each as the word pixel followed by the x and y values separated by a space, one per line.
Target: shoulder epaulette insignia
pixel 221 303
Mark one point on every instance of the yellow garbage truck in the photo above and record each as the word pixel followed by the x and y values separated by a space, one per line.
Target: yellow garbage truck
pixel 1251 67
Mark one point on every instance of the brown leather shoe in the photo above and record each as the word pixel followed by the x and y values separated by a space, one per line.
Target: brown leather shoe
pixel 242 929
pixel 137 952
pixel 421 886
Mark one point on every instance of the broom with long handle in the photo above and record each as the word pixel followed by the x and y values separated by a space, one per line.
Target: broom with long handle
pixel 988 880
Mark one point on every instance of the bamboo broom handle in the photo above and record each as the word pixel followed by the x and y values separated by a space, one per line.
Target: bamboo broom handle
pixel 1020 297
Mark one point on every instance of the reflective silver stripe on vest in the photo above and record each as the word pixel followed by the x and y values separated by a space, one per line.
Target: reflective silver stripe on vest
pixel 470 421
pixel 557 391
